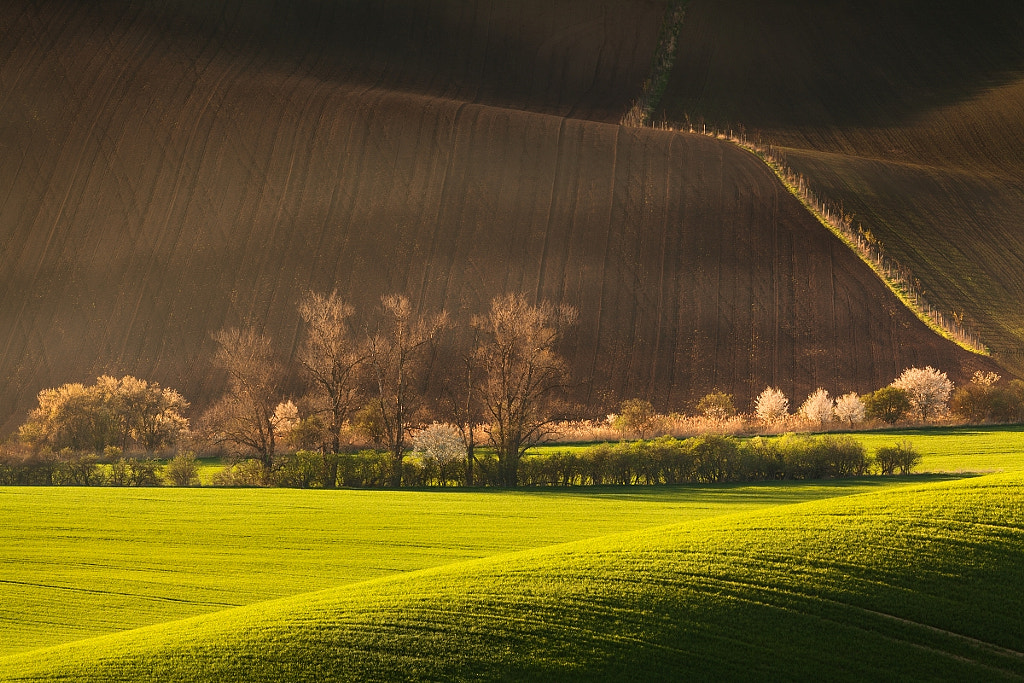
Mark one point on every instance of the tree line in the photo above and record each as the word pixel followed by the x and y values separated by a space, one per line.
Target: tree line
pixel 504 388
pixel 510 380
pixel 509 383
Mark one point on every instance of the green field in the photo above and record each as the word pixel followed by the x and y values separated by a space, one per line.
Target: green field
pixel 79 562
pixel 916 582
pixel 652 576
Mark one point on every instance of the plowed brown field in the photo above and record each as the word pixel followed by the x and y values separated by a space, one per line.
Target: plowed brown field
pixel 908 113
pixel 170 169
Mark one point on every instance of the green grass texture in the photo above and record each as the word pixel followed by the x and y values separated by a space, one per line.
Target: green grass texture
pixel 81 562
pixel 921 582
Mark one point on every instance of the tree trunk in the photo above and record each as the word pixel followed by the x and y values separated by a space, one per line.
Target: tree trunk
pixel 267 460
pixel 397 456
pixel 268 467
pixel 336 414
pixel 508 468
pixel 330 470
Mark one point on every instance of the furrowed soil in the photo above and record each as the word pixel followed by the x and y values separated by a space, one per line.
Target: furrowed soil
pixel 906 113
pixel 173 168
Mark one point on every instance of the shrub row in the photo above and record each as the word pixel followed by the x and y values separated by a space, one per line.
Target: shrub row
pixel 665 460
pixel 71 468
pixel 702 459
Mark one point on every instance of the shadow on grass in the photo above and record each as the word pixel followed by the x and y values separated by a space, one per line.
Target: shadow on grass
pixel 959 430
pixel 758 491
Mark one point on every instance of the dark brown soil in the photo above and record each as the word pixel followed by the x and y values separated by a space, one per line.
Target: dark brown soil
pixel 908 113
pixel 164 174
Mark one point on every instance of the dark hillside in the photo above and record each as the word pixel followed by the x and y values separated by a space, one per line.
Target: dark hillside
pixel 583 58
pixel 909 113
pixel 159 184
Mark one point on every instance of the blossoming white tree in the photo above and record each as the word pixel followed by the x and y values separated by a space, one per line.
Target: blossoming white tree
pixel 985 379
pixel 849 408
pixel 771 406
pixel 443 445
pixel 285 419
pixel 927 388
pixel 818 408
pixel 442 442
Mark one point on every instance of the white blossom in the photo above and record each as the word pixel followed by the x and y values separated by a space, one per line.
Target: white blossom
pixel 849 408
pixel 440 442
pixel 927 388
pixel 818 407
pixel 286 417
pixel 771 406
pixel 985 379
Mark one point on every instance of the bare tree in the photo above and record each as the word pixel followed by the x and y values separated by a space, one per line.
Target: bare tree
pixel 331 356
pixel 521 374
pixel 460 397
pixel 244 417
pixel 397 355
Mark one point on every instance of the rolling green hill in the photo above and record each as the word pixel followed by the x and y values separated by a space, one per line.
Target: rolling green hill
pixel 908 113
pixel 919 583
pixel 79 562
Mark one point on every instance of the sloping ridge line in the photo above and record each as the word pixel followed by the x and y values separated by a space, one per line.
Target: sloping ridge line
pixel 935 326
pixel 639 116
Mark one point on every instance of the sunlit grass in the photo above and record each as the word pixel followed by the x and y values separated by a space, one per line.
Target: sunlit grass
pixel 78 562
pixel 919 583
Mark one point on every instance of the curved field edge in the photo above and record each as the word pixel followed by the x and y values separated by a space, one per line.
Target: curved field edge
pixel 639 116
pixel 916 583
pixel 908 119
pixel 912 299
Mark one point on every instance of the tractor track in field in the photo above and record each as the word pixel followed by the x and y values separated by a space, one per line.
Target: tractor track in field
pixel 98 591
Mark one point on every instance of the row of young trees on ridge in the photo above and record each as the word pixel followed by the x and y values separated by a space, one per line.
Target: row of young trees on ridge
pixel 863 243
